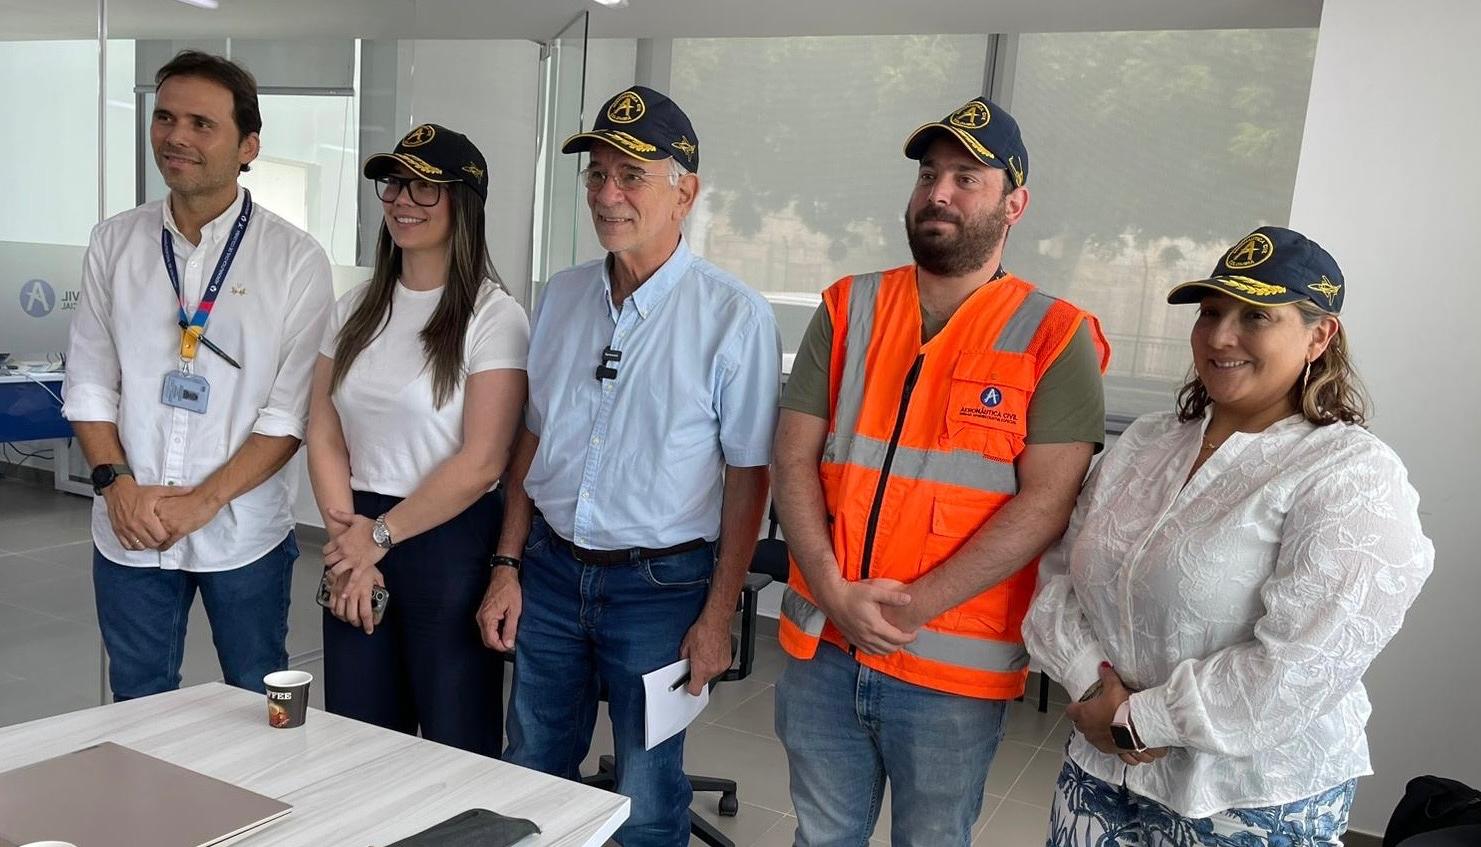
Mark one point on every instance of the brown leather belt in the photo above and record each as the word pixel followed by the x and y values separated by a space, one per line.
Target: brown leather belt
pixel 631 554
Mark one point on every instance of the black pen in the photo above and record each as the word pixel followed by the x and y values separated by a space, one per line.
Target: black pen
pixel 683 681
pixel 212 347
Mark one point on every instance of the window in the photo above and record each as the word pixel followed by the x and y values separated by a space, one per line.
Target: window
pixel 800 152
pixel 1149 154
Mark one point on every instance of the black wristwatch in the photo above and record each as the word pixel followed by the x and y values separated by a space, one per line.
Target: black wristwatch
pixel 105 475
pixel 504 561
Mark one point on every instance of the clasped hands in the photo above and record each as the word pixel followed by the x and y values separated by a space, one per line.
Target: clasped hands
pixel 1092 718
pixel 155 517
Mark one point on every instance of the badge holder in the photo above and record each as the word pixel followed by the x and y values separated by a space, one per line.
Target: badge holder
pixel 183 389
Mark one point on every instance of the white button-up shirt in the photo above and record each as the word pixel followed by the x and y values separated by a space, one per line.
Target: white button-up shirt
pixel 1246 605
pixel 125 338
pixel 639 460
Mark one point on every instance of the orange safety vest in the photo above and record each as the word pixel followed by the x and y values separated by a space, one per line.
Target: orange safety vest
pixel 920 450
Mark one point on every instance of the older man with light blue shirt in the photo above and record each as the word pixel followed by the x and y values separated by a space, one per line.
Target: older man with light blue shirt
pixel 637 489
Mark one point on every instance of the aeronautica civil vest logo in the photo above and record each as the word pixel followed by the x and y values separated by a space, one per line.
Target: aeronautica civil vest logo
pixel 37 298
pixel 991 396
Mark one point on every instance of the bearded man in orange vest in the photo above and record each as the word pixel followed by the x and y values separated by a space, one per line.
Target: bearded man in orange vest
pixel 936 427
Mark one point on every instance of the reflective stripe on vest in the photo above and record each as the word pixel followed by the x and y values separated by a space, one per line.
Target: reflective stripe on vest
pixel 965 468
pixel 973 653
pixel 803 615
pixel 862 293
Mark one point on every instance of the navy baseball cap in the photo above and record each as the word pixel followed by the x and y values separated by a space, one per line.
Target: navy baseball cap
pixel 645 125
pixel 436 154
pixel 1271 266
pixel 987 131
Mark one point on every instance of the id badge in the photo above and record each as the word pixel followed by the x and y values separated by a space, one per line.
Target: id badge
pixel 186 391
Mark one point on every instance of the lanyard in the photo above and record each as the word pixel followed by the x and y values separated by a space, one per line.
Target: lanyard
pixel 194 326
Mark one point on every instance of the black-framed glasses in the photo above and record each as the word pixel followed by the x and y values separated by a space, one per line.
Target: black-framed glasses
pixel 628 179
pixel 423 193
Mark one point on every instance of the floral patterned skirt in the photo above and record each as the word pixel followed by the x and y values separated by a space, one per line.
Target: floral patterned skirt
pixel 1089 812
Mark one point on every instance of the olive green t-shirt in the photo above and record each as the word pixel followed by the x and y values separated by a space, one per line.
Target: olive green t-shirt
pixel 1067 405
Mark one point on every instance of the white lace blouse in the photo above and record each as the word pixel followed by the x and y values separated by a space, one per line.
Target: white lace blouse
pixel 1246 606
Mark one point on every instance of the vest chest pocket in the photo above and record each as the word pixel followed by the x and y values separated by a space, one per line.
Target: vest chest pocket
pixel 987 408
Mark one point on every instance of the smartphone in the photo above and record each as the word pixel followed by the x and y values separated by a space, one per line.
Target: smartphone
pixel 379 598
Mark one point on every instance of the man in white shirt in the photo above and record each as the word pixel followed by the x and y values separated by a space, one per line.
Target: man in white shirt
pixel 187 385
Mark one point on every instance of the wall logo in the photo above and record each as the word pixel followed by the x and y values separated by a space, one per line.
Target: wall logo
pixel 37 298
pixel 991 396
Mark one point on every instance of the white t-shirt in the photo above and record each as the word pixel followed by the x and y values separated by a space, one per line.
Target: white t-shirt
pixel 395 433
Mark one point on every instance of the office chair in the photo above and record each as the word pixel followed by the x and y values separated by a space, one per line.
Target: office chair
pixel 768 565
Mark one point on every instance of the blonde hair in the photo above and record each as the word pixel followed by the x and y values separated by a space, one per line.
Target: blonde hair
pixel 1330 392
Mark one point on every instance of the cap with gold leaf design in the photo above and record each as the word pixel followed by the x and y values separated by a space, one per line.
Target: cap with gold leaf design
pixel 988 132
pixel 644 124
pixel 1271 266
pixel 436 154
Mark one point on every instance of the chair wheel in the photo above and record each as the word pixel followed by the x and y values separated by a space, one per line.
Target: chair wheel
pixel 729 805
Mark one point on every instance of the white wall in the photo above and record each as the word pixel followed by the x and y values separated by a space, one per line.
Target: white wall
pixel 1389 182
pixel 489 91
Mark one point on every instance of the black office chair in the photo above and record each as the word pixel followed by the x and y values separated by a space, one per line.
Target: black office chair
pixel 768 565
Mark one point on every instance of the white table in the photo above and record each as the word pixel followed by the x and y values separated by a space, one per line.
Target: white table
pixel 350 784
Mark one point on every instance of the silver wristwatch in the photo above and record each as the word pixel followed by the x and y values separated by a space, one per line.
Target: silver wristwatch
pixel 381 534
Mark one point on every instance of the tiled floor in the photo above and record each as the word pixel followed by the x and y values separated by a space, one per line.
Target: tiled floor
pixel 50 656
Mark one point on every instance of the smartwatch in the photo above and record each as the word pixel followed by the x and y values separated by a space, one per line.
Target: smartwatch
pixel 105 475
pixel 1122 732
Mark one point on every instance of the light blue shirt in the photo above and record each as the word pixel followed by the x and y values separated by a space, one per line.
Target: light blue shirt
pixel 638 461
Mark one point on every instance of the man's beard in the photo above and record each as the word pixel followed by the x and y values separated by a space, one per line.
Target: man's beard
pixel 944 254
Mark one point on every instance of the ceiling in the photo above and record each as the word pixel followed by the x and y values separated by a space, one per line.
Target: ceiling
pixel 538 20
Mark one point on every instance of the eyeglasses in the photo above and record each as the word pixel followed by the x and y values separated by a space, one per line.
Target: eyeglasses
pixel 423 193
pixel 628 179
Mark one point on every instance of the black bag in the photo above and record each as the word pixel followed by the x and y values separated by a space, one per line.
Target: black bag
pixel 473 828
pixel 1431 803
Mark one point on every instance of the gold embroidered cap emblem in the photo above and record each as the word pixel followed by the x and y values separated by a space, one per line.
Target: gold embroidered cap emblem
pixel 626 108
pixel 419 164
pixel 1327 288
pixel 1252 250
pixel 1252 287
pixel 631 142
pixel 473 169
pixel 1016 169
pixel 683 146
pixel 419 136
pixel 974 115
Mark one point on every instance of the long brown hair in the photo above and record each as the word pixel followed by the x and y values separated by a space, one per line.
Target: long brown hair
pixel 442 338
pixel 1331 393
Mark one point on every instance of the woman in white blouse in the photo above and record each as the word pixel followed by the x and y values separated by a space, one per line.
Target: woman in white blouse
pixel 1230 571
pixel 416 396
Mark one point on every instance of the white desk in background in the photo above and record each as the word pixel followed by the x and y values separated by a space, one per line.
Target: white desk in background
pixel 350 784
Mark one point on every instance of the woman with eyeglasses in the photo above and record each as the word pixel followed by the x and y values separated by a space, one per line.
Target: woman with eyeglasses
pixel 1230 571
pixel 416 397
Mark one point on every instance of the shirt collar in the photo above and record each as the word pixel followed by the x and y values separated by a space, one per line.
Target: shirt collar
pixel 651 293
pixel 216 228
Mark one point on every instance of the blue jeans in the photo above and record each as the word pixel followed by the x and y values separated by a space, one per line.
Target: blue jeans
pixel 585 628
pixel 1089 812
pixel 848 729
pixel 142 613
